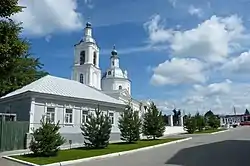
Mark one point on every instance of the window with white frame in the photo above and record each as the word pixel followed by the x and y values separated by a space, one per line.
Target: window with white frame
pixel 111 117
pixel 50 114
pixel 68 116
pixel 84 116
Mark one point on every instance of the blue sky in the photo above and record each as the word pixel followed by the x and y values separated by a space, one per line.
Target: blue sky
pixel 190 54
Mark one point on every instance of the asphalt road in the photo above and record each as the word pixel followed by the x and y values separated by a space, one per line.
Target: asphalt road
pixel 230 148
pixel 225 149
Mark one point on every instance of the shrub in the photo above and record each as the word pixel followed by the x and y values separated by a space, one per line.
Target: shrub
pixel 213 122
pixel 153 124
pixel 97 130
pixel 130 125
pixel 46 139
pixel 190 124
pixel 200 121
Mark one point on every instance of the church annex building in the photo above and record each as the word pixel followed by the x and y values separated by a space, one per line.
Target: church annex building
pixel 69 101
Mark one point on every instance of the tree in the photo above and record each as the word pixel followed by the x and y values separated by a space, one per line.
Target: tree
pixel 209 114
pixel 176 116
pixel 200 121
pixel 213 122
pixel 247 112
pixel 46 139
pixel 130 125
pixel 190 124
pixel 153 124
pixel 17 67
pixel 97 130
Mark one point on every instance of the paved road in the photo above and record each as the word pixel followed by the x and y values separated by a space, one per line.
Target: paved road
pixel 225 149
pixel 4 162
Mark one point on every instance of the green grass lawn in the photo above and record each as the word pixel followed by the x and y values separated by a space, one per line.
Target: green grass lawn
pixel 208 131
pixel 79 153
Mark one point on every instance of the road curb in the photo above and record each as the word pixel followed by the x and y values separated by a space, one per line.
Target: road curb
pixel 98 157
pixel 219 132
pixel 20 161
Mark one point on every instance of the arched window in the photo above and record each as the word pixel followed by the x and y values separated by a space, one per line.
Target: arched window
pixel 120 87
pixel 81 78
pixel 109 72
pixel 82 57
pixel 113 63
pixel 94 58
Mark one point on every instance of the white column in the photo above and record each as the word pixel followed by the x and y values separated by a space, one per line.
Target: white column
pixel 32 112
pixel 221 121
pixel 181 121
pixel 170 120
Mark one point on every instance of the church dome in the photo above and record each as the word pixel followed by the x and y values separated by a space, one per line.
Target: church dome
pixel 114 52
pixel 88 24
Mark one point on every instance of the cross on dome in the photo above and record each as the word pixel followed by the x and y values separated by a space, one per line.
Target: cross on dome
pixel 114 52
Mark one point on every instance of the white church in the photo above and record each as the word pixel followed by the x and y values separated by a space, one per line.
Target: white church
pixel 70 101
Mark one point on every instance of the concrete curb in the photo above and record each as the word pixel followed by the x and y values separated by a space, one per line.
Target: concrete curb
pixel 219 132
pixel 20 161
pixel 98 157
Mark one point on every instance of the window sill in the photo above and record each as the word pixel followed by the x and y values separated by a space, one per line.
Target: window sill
pixel 68 124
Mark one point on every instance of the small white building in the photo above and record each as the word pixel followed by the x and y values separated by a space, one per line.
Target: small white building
pixel 69 101
pixel 229 120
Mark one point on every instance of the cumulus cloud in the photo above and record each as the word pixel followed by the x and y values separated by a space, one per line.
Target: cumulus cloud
pixel 196 54
pixel 212 40
pixel 215 96
pixel 214 88
pixel 176 71
pixel 238 64
pixel 41 18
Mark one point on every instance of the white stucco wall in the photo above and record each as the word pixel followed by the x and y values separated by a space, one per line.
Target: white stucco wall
pixel 89 48
pixel 60 106
pixel 91 73
pixel 109 84
pixel 72 131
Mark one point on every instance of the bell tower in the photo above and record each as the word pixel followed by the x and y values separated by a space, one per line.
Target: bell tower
pixel 86 68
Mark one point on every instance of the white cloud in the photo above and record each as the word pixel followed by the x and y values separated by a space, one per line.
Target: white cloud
pixel 214 96
pixel 214 88
pixel 177 71
pixel 44 17
pixel 195 54
pixel 195 11
pixel 212 40
pixel 238 64
pixel 157 32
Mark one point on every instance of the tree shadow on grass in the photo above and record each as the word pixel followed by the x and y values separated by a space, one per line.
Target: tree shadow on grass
pixel 225 153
